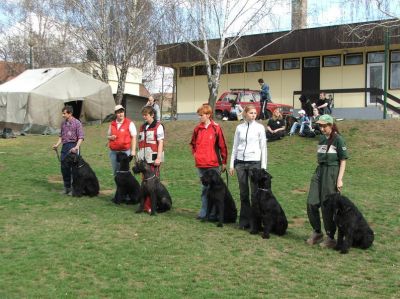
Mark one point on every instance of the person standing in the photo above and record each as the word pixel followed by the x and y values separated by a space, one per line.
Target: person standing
pixel 71 137
pixel 152 103
pixel 265 97
pixel 327 179
pixel 121 137
pixel 209 151
pixel 249 152
pixel 151 144
pixel 322 104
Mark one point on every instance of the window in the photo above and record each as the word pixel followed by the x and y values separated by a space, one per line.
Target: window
pixel 272 65
pixel 352 59
pixel 293 63
pixel 395 70
pixel 200 70
pixel 376 57
pixel 332 60
pixel 254 66
pixel 236 68
pixel 186 71
pixel 223 69
pixel 247 97
pixel 311 62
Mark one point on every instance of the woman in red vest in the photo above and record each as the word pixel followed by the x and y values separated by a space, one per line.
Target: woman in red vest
pixel 151 143
pixel 122 137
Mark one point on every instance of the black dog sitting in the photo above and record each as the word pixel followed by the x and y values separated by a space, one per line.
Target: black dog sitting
pixel 127 185
pixel 151 186
pixel 84 180
pixel 353 229
pixel 218 196
pixel 266 210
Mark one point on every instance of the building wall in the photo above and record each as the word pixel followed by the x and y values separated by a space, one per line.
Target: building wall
pixel 193 91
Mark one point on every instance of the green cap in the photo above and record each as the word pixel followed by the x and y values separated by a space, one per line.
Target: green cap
pixel 325 119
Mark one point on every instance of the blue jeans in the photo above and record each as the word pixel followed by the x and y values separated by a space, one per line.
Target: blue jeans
pixel 203 209
pixel 113 158
pixel 295 126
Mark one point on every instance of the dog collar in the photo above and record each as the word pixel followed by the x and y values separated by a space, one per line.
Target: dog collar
pixel 263 189
pixel 152 177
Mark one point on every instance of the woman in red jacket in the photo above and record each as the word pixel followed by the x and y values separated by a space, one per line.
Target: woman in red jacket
pixel 209 150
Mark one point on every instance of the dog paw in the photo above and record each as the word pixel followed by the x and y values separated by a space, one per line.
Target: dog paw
pixel 265 236
pixel 139 211
pixel 219 224
pixel 344 251
pixel 253 232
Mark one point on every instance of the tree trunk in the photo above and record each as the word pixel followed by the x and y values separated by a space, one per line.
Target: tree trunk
pixel 121 85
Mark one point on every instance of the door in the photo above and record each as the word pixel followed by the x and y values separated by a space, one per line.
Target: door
pixel 374 79
pixel 310 77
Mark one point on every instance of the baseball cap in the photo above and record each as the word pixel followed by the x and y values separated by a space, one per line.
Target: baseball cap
pixel 302 111
pixel 119 107
pixel 325 119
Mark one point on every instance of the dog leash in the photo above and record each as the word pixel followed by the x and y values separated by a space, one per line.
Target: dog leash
pixel 58 155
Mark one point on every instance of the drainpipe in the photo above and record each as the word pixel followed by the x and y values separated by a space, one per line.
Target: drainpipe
pixel 385 75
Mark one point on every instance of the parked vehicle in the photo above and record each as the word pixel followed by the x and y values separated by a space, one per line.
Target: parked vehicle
pixel 227 100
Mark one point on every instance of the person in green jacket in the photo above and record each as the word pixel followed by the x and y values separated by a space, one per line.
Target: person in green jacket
pixel 327 179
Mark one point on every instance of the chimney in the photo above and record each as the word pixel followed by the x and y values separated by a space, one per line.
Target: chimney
pixel 299 14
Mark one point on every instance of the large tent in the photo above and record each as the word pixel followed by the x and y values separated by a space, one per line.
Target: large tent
pixel 32 102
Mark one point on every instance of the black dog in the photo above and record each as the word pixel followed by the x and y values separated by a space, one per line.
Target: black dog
pixel 353 229
pixel 127 185
pixel 266 210
pixel 151 186
pixel 84 180
pixel 218 196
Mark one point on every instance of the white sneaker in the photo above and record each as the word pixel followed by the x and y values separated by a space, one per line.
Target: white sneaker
pixel 225 118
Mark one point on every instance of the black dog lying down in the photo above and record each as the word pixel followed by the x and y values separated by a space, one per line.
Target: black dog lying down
pixel 218 196
pixel 127 185
pixel 266 211
pixel 353 229
pixel 84 180
pixel 151 186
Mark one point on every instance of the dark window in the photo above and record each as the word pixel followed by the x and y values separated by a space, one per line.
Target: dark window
pixel 254 66
pixel 332 60
pixel 200 70
pixel 292 63
pixel 395 70
pixel 353 59
pixel 310 62
pixel 376 57
pixel 236 68
pixel 272 65
pixel 223 69
pixel 186 71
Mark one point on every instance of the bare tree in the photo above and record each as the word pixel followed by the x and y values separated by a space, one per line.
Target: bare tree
pixel 386 12
pixel 219 26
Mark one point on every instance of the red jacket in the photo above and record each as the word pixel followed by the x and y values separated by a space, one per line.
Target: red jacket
pixel 123 140
pixel 204 143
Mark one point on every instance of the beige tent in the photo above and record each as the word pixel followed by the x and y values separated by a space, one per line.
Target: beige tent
pixel 32 102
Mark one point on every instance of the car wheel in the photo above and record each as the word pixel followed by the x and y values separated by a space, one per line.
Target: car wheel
pixel 218 115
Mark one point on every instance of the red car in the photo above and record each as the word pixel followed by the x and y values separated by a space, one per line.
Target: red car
pixel 225 102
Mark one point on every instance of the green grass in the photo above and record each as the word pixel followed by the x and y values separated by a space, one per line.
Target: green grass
pixel 54 246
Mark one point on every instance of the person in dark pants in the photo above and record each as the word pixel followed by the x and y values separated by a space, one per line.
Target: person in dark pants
pixel 249 152
pixel 327 179
pixel 265 97
pixel 71 137
pixel 275 127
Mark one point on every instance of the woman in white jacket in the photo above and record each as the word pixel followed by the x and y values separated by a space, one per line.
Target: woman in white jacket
pixel 249 151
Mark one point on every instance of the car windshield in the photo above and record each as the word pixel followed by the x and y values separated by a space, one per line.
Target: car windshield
pixel 247 97
pixel 230 97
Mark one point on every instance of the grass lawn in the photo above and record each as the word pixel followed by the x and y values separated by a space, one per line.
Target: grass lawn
pixel 54 246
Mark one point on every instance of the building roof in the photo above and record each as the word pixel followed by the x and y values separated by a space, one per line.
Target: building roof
pixel 302 40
